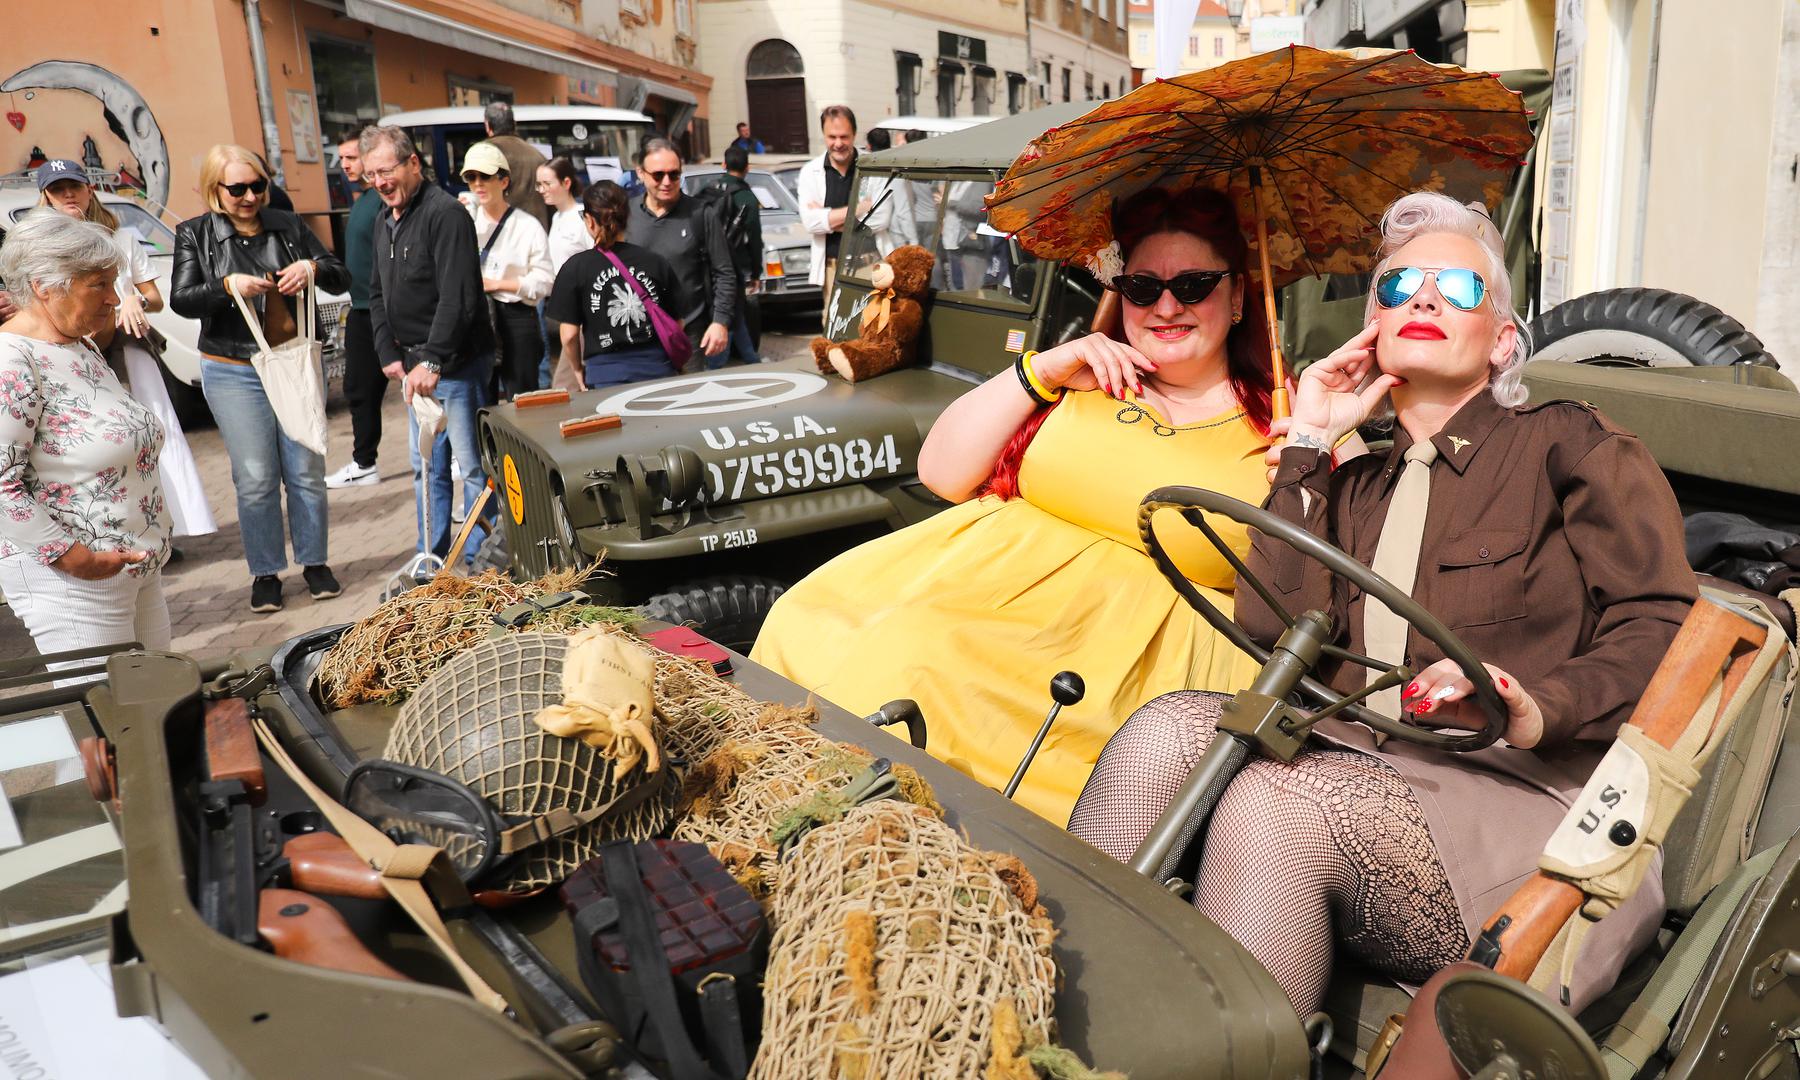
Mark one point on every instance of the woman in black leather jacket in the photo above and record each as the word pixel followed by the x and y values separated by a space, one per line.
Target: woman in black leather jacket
pixel 266 256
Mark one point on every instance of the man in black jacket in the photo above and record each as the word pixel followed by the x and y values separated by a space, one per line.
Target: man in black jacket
pixel 690 237
pixel 430 320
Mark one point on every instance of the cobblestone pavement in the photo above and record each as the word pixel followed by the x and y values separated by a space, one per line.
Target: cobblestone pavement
pixel 373 533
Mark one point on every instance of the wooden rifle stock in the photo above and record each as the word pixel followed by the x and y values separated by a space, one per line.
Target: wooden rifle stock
pixel 231 750
pixel 1709 639
pixel 305 929
pixel 323 863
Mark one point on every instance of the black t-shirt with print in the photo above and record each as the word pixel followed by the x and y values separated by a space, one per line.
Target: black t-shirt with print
pixel 590 291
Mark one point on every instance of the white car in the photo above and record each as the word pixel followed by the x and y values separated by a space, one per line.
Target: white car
pixel 181 359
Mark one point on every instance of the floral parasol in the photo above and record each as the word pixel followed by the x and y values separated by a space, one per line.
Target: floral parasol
pixel 1309 145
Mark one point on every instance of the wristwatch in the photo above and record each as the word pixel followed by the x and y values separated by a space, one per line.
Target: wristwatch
pixel 432 366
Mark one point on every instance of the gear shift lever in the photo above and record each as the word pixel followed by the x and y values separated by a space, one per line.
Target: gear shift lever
pixel 1066 688
pixel 903 711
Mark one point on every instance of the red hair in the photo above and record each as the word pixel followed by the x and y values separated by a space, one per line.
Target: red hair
pixel 1209 215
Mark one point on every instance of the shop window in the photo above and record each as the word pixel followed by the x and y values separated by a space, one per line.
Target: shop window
pixel 467 91
pixel 981 97
pixel 949 86
pixel 909 73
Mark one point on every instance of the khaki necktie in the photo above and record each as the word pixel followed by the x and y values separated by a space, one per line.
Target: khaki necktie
pixel 1397 559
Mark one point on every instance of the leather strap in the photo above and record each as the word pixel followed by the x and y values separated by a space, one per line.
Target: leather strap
pixel 649 961
pixel 1397 559
pixel 561 820
pixel 405 869
pixel 722 1017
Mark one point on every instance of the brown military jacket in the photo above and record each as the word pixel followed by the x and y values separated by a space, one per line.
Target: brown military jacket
pixel 1553 548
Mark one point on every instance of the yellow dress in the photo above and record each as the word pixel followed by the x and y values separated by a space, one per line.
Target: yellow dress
pixel 972 611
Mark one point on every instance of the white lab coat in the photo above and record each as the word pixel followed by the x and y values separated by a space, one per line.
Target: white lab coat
pixel 817 218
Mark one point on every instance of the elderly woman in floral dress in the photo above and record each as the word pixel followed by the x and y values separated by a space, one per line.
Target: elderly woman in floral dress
pixel 83 528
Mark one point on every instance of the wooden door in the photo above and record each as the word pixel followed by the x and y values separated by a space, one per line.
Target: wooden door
pixel 778 114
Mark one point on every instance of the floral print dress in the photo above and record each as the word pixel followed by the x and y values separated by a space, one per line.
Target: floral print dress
pixel 77 458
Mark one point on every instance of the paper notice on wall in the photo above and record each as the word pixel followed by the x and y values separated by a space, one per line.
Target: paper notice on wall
pixel 60 1020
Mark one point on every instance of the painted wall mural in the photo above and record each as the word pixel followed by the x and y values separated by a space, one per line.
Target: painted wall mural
pixel 127 114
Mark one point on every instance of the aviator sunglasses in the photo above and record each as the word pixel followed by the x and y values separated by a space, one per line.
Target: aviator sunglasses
pixel 1461 289
pixel 255 187
pixel 1144 290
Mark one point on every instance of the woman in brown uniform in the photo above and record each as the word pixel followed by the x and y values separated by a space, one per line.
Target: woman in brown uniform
pixel 1546 538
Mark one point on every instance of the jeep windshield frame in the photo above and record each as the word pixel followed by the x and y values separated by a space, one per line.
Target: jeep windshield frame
pixel 954 229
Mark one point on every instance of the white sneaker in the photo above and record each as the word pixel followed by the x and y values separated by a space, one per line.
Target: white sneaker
pixel 353 474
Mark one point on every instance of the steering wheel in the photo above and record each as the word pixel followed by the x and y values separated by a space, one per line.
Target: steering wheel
pixel 1191 502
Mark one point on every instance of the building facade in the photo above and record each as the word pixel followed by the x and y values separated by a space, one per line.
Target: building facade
pixel 147 89
pixel 1670 157
pixel 1223 30
pixel 1079 49
pixel 776 65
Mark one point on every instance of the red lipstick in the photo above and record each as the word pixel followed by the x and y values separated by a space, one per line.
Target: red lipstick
pixel 1422 331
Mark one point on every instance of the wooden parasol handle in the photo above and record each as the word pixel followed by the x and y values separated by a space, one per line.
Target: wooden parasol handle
pixel 1711 637
pixel 1278 398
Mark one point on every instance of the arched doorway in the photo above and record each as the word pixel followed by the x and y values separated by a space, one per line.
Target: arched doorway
pixel 775 96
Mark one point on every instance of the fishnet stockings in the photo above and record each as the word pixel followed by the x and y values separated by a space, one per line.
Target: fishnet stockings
pixel 1331 841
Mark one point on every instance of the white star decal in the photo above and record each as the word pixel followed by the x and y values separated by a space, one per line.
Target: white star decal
pixel 700 394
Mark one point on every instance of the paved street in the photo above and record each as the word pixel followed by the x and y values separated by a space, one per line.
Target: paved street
pixel 372 534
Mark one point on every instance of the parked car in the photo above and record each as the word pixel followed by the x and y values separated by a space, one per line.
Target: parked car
pixel 605 139
pixel 181 358
pixel 787 246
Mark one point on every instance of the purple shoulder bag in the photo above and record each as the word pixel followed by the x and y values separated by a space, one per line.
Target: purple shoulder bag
pixel 671 333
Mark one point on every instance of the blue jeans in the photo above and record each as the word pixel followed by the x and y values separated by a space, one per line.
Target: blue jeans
pixel 741 343
pixel 462 395
pixel 263 460
pixel 623 366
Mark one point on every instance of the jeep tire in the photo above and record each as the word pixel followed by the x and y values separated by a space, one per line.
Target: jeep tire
pixel 1644 328
pixel 729 609
pixel 493 554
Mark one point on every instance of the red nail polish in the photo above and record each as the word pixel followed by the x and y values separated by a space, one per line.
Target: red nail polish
pixel 1427 706
pixel 1504 685
pixel 1412 690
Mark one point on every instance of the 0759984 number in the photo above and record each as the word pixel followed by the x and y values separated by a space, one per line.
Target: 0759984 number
pixel 800 468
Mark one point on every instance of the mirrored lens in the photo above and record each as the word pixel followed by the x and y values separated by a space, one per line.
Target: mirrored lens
pixel 1463 289
pixel 415 807
pixel 1397 286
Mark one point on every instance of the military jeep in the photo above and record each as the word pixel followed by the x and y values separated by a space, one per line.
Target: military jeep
pixel 718 490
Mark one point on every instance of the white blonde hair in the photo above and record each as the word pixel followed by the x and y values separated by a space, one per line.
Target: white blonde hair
pixel 1425 212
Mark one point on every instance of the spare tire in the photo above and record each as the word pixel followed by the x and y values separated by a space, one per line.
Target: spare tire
pixel 1644 328
pixel 729 610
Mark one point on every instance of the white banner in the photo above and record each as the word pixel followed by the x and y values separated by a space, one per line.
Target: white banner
pixel 1271 32
pixel 1173 21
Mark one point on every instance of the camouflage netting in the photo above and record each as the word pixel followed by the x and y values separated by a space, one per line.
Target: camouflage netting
pixel 472 721
pixel 387 654
pixel 895 944
pixel 766 776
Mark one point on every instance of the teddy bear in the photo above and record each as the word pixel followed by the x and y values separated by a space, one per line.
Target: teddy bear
pixel 891 320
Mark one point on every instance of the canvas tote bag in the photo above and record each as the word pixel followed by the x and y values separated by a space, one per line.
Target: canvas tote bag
pixel 293 373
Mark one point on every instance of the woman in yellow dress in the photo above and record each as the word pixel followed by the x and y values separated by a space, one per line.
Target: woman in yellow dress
pixel 1040 568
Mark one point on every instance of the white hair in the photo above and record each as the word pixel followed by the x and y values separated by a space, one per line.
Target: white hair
pixel 50 249
pixel 1425 212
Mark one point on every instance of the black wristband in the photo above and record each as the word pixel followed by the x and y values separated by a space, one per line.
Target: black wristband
pixel 1025 382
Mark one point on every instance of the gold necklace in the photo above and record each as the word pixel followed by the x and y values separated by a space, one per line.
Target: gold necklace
pixel 1133 413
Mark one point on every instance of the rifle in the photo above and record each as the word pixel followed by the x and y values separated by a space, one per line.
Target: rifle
pixel 242 881
pixel 321 864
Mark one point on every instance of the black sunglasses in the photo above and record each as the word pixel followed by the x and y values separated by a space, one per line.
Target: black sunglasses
pixel 663 176
pixel 1143 290
pixel 255 187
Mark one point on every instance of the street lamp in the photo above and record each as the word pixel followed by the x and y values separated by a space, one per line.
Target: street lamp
pixel 1234 10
